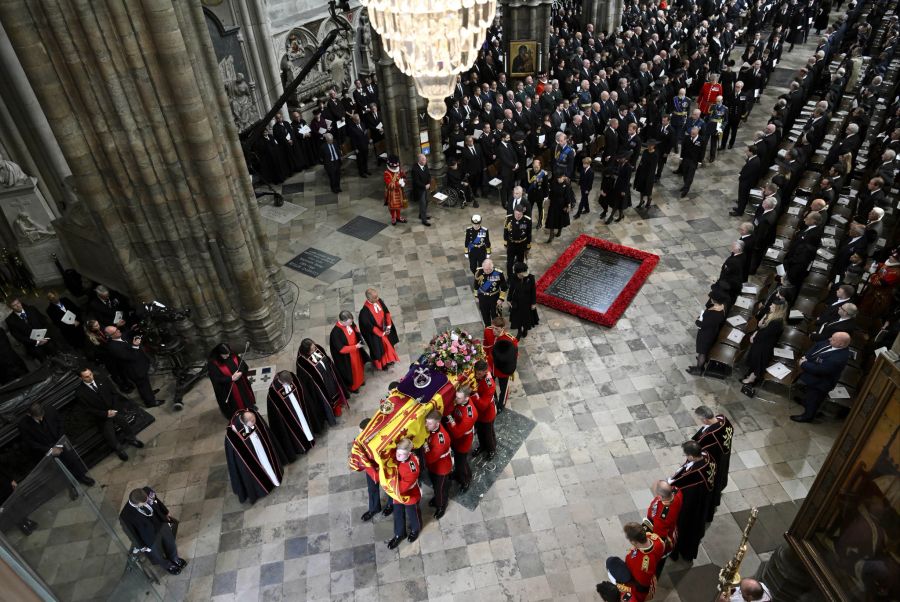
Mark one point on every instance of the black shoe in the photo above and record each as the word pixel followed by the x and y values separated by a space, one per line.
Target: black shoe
pixel 800 418
pixel 748 391
pixel 602 215
pixel 154 403
pixel 476 452
pixel 181 562
pixel 122 455
pixel 155 391
pixel 174 569
pixel 86 480
pixel 619 219
pixel 577 215
pixel 25 528
pixel 368 516
pixel 388 511
pixel 413 536
pixel 73 494
pixel 394 542
pixel 30 523
pixel 684 193
pixel 135 443
pixel 475 204
pixel 426 224
pixel 734 213
pixel 439 513
pixel 694 370
pixel 608 220
pixel 640 204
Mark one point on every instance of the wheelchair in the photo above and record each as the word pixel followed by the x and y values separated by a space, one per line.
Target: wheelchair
pixel 455 197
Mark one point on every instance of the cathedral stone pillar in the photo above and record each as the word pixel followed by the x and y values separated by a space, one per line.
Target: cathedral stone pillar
pixel 133 94
pixel 528 20
pixel 401 125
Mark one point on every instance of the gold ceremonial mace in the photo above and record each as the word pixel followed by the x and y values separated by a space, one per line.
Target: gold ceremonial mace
pixel 729 576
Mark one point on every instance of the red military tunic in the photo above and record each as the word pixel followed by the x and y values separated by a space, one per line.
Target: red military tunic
pixel 642 564
pixel 708 96
pixel 462 431
pixel 664 518
pixel 488 344
pixel 408 472
pixel 484 399
pixel 437 458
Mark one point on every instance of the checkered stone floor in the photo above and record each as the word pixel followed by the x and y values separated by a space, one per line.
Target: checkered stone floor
pixel 611 407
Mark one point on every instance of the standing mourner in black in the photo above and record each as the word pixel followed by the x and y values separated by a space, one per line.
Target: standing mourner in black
pixel 535 185
pixel 645 175
pixel 421 184
pixel 714 438
pixel 478 244
pixel 691 156
pixel 148 523
pixel 522 299
pixel 40 431
pixel 100 401
pixel 490 288
pixel 67 318
pixel 133 364
pixel 562 199
pixel 359 137
pixel 621 190
pixel 23 322
pixel 330 157
pixel 517 236
pixel 11 365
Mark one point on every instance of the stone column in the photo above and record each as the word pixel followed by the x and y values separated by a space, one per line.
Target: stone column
pixel 133 95
pixel 528 20
pixel 401 130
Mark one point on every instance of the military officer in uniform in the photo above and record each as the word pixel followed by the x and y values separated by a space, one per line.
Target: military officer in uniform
pixel 681 104
pixel 478 243
pixel 640 561
pixel 718 118
pixel 662 518
pixel 517 236
pixel 490 288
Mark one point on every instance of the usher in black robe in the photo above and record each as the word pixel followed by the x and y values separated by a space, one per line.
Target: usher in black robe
pixel 324 390
pixel 249 480
pixel 242 396
pixel 283 420
pixel 716 441
pixel 696 485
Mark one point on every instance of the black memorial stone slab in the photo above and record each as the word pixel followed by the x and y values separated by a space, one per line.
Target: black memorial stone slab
pixel 594 278
pixel 512 429
pixel 294 188
pixel 312 262
pixel 326 199
pixel 362 227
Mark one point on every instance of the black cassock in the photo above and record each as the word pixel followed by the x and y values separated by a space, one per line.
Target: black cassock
pixel 367 325
pixel 716 441
pixel 292 429
pixel 322 385
pixel 249 478
pixel 337 341
pixel 238 393
pixel 696 484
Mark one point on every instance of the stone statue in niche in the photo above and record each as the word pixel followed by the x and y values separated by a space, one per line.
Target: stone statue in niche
pixel 338 67
pixel 240 94
pixel 29 231
pixel 11 174
pixel 365 42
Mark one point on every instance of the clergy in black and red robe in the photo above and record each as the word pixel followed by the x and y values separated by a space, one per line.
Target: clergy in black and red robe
pixel 715 438
pixel 695 479
pixel 377 328
pixel 348 352
pixel 255 460
pixel 290 417
pixel 228 374
pixel 320 380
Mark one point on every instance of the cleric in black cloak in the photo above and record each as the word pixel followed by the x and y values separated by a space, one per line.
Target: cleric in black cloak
pixel 228 374
pixel 377 328
pixel 348 352
pixel 715 438
pixel 290 418
pixel 320 380
pixel 695 479
pixel 255 460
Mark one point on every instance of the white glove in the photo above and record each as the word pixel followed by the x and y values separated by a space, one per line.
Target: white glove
pixel 402 182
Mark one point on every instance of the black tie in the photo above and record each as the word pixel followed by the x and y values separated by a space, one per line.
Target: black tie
pixel 94 386
pixel 333 154
pixel 23 316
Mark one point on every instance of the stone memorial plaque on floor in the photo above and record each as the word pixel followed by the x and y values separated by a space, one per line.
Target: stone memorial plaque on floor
pixel 512 429
pixel 362 227
pixel 283 214
pixel 595 279
pixel 312 262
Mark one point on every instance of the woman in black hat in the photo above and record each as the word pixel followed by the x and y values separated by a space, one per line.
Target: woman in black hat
pixel 645 176
pixel 562 199
pixel 710 323
pixel 621 192
pixel 522 300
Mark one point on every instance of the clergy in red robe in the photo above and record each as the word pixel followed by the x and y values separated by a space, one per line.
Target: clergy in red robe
pixel 290 417
pixel 662 517
pixel 695 479
pixel 320 380
pixel 715 437
pixel 254 459
pixel 377 328
pixel 438 462
pixel 348 352
pixel 228 374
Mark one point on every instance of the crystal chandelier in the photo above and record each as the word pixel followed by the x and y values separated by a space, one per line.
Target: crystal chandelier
pixel 432 40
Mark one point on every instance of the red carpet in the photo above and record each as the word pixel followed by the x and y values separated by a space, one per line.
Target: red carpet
pixel 595 279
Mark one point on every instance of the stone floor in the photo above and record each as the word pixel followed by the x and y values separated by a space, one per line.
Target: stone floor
pixel 611 407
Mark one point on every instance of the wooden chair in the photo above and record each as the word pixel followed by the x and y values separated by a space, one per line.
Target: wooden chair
pixel 806 305
pixel 722 360
pixel 795 339
pixel 850 377
pixel 786 382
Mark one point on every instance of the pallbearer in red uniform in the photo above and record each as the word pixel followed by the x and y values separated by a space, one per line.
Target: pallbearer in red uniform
pixel 461 427
pixel 254 459
pixel 228 374
pixel 438 461
pixel 373 487
pixel 487 410
pixel 290 418
pixel 377 328
pixel 407 520
pixel 394 181
pixel 502 359
pixel 662 518
pixel 348 352
pixel 695 479
pixel 708 93
pixel 715 436
pixel 640 577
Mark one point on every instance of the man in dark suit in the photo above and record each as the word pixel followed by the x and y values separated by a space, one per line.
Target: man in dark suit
pixel 330 155
pixel 373 122
pixel 732 271
pixel 610 141
pixel 104 305
pixel 691 155
pixel 67 318
pixel 507 164
pixel 845 321
pixel 148 524
pixel 747 236
pixel 421 184
pixel 40 431
pixel 820 371
pixel 870 197
pixel 11 365
pixel 101 402
pixel 856 243
pixel 471 161
pixel 132 363
pixel 359 138
pixel 842 295
pixel 749 176
pixel 815 127
pixel 803 249
pixel 21 322
pixel 764 233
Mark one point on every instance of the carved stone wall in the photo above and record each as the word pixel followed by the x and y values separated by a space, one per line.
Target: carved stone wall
pixel 239 80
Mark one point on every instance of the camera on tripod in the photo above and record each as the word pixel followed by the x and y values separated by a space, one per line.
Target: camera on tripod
pixel 156 327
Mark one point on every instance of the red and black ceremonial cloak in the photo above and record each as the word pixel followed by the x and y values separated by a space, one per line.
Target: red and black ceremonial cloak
pixel 371 329
pixel 716 441
pixel 322 384
pixel 342 361
pixel 220 372
pixel 249 480
pixel 284 422
pixel 696 485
